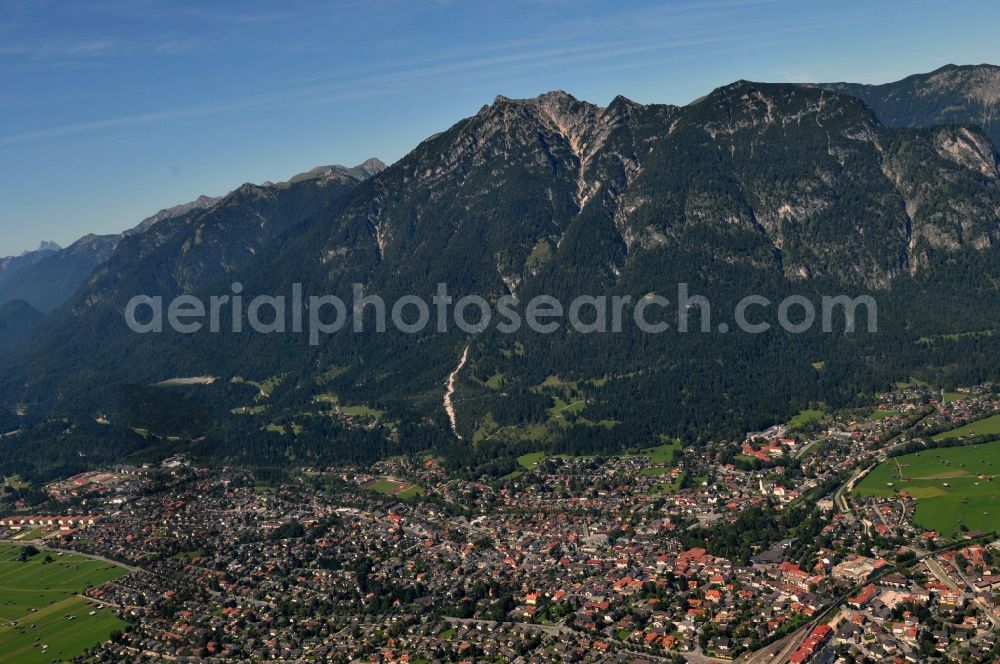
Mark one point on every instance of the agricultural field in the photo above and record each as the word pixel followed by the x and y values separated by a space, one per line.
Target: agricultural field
pixel 40 605
pixel 989 425
pixel 953 486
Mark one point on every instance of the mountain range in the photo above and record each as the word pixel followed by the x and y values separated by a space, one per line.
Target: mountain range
pixel 11 265
pixel 779 189
pixel 47 277
pixel 950 95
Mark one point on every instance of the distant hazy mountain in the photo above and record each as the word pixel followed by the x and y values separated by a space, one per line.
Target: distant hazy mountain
pixel 18 320
pixel 363 171
pixel 49 282
pixel 185 251
pixel 950 95
pixel 46 278
pixel 11 265
pixel 200 203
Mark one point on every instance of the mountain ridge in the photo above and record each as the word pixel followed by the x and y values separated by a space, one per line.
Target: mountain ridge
pixel 952 94
pixel 48 277
pixel 769 188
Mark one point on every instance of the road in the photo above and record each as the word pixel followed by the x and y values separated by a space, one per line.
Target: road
pixel 558 630
pixel 965 587
pixel 779 651
pixel 840 497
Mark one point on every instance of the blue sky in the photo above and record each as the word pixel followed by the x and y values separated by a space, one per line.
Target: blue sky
pixel 111 110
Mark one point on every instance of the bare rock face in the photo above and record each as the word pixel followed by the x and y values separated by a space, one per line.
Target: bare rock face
pixel 928 167
pixel 969 149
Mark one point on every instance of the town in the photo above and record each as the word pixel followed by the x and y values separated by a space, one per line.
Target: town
pixel 786 546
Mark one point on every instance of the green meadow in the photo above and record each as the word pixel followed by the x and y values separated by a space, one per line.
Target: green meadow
pixel 530 460
pixel 953 486
pixel 660 458
pixel 805 417
pixel 986 426
pixel 40 605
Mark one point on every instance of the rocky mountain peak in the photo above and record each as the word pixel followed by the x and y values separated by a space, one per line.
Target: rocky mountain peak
pixel 372 166
pixel 363 171
pixel 747 105
pixel 47 245
pixel 621 105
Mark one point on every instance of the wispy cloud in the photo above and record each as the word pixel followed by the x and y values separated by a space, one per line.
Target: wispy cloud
pixel 385 78
pixel 797 75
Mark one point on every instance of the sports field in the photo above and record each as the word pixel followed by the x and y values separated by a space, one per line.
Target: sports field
pixel 395 489
pixel 953 486
pixel 40 605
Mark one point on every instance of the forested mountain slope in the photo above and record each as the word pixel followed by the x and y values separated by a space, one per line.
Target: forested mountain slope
pixel 756 188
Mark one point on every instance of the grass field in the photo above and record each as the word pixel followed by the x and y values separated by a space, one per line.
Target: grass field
pixel 67 628
pixel 989 425
pixel 659 457
pixel 494 382
pixel 805 417
pixel 28 535
pixel 395 489
pixel 661 453
pixel 39 596
pixel 885 414
pixel 953 486
pixel 359 410
pixel 530 460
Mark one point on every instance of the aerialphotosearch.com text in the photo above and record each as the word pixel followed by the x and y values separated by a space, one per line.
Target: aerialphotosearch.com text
pixel 322 315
